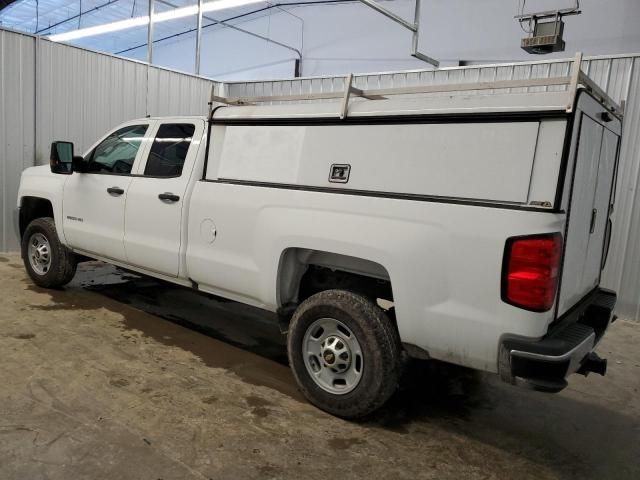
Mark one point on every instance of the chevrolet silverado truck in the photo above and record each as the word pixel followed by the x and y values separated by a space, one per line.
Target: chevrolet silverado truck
pixel 468 224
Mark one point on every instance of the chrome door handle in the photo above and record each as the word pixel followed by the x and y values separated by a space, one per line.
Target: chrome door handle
pixel 168 197
pixel 115 191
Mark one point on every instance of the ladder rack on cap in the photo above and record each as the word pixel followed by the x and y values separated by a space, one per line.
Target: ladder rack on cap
pixel 575 80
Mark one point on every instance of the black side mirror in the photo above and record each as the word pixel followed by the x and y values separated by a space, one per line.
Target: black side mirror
pixel 61 158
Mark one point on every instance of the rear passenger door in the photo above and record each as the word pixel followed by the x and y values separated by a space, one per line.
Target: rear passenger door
pixel 154 215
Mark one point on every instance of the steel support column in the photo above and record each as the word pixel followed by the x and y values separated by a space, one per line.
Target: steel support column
pixel 199 37
pixel 150 33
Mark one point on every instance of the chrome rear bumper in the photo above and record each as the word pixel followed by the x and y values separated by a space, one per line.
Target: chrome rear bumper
pixel 567 348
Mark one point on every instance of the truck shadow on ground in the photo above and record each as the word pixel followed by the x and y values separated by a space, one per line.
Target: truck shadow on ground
pixel 559 431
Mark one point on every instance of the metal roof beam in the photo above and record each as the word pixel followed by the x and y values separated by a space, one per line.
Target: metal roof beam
pixel 5 3
pixel 389 14
pixel 413 27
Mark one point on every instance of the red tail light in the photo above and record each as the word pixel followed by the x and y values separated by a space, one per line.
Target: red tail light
pixel 530 271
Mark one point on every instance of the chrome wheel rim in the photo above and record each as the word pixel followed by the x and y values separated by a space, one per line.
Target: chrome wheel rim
pixel 39 253
pixel 332 356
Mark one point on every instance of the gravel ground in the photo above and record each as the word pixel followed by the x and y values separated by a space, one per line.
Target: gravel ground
pixel 118 376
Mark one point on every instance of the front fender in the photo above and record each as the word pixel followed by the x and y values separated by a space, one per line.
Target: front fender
pixel 39 182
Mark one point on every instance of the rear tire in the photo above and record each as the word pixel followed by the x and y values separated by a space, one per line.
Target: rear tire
pixel 345 353
pixel 48 262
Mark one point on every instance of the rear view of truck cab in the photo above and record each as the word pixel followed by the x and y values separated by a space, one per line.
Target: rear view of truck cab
pixel 561 272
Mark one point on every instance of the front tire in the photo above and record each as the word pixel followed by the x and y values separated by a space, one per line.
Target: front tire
pixel 345 353
pixel 48 262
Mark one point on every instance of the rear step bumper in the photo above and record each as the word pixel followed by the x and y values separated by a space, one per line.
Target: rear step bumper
pixel 567 348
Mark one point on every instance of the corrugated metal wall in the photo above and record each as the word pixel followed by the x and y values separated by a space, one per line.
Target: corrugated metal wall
pixel 623 269
pixel 81 94
pixel 50 91
pixel 17 124
pixel 618 75
pixel 173 93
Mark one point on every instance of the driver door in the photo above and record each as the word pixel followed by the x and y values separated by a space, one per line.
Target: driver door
pixel 94 202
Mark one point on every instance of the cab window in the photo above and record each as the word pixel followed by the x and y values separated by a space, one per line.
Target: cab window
pixel 169 150
pixel 117 152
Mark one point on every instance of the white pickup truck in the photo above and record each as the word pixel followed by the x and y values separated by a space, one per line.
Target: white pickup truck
pixel 471 228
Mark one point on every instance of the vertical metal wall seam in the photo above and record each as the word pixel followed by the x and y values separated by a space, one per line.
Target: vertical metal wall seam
pixel 3 148
pixel 636 288
pixel 36 53
pixel 632 237
pixel 622 254
pixel 605 87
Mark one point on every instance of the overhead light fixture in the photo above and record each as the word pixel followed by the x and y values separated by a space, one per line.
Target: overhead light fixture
pixel 144 20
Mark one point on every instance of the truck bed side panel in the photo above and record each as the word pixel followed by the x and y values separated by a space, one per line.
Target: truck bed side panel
pixel 445 281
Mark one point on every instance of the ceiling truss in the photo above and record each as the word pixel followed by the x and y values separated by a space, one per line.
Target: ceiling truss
pixel 413 27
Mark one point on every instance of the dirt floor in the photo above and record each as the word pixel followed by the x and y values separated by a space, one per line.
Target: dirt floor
pixel 122 377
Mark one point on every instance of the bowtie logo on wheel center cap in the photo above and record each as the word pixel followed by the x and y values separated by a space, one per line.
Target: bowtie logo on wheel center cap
pixel 329 358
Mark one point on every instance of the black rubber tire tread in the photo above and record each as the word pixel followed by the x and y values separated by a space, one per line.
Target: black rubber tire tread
pixel 379 341
pixel 63 261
